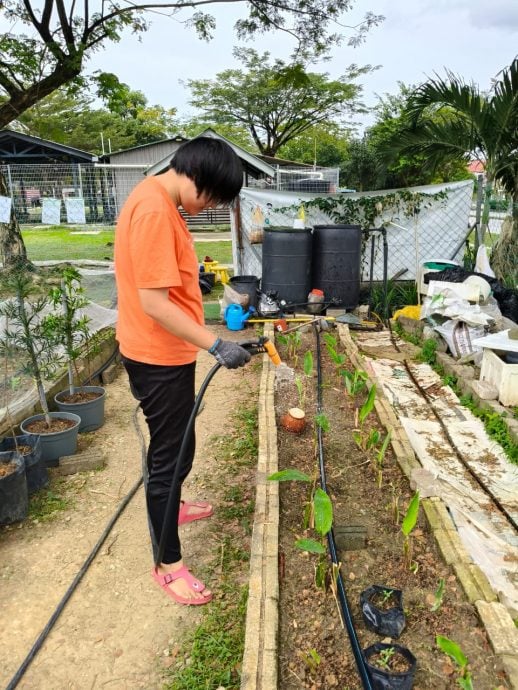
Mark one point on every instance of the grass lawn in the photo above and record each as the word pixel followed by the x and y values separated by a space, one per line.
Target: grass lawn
pixel 61 243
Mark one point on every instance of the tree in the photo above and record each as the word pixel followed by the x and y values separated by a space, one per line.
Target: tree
pixel 276 101
pixel 403 169
pixel 58 37
pixel 448 118
pixel 323 145
pixel 70 119
pixel 361 169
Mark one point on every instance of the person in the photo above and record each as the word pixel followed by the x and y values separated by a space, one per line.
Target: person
pixel 160 329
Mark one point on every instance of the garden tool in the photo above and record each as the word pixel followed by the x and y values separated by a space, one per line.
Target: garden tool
pixel 321 323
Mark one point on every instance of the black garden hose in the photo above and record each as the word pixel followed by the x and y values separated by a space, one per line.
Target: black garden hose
pixel 342 594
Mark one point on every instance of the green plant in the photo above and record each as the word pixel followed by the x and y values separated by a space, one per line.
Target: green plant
pixel 429 351
pixel 495 426
pixel 71 325
pixel 292 342
pixel 354 382
pixel 380 457
pixel 408 524
pixel 453 650
pixel 320 513
pixel 439 595
pixel 29 335
pixel 322 421
pixel 308 363
pixel 311 659
pixel 300 389
pixel 385 657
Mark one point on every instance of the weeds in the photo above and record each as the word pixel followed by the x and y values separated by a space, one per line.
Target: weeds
pixel 495 426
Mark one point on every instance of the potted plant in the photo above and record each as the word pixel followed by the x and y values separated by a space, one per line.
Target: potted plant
pixel 390 666
pixel 14 502
pixel 26 445
pixel 72 332
pixel 382 610
pixel 30 337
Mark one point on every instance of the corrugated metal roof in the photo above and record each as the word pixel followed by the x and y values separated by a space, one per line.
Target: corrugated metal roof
pixel 8 136
pixel 253 162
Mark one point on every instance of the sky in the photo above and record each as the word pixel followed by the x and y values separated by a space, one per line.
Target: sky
pixel 473 38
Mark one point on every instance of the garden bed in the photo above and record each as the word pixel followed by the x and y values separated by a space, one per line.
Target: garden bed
pixel 374 496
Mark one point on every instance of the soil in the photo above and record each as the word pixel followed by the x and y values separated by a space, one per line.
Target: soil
pixel 393 662
pixel 315 650
pixel 40 426
pixel 79 397
pixel 118 630
pixel 7 468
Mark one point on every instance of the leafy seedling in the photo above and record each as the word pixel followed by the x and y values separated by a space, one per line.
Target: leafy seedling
pixel 380 457
pixel 308 363
pixel 385 657
pixel 408 524
pixel 439 595
pixel 453 650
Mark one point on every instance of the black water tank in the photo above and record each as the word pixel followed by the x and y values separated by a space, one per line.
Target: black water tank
pixel 287 263
pixel 337 263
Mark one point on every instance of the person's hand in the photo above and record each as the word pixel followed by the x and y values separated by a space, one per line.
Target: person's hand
pixel 229 354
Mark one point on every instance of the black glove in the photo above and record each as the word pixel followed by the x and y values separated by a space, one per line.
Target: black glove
pixel 229 354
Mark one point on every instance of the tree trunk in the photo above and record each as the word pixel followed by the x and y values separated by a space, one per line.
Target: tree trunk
pixel 12 248
pixel 504 257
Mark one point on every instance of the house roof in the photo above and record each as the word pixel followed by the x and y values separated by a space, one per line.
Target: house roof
pixel 178 140
pixel 16 147
pixel 283 162
pixel 251 162
pixel 476 167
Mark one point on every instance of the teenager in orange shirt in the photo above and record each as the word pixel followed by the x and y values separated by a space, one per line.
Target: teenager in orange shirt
pixel 160 328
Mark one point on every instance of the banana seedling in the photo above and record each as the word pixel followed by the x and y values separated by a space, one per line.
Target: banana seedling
pixel 453 650
pixel 408 524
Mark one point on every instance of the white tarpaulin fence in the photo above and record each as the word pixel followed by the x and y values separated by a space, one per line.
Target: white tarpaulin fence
pixel 436 232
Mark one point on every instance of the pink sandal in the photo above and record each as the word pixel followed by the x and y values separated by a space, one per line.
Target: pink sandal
pixel 182 574
pixel 184 516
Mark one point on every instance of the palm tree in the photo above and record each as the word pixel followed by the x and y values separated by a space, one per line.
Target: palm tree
pixel 447 117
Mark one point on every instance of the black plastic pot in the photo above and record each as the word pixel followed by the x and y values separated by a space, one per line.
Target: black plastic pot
pixel 384 679
pixel 389 622
pixel 35 467
pixel 14 500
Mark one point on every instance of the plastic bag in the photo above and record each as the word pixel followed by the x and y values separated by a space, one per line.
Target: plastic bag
pixel 14 501
pixel 231 296
pixel 384 621
pixel 460 336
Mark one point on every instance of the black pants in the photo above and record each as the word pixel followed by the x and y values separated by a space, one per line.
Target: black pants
pixel 166 396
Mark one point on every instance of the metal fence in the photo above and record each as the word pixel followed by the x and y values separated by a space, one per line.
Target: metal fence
pixel 79 194
pixel 437 232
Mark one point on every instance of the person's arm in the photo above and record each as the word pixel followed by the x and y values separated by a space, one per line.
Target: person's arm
pixel 156 304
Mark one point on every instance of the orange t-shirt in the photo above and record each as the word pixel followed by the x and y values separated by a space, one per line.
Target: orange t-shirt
pixel 154 249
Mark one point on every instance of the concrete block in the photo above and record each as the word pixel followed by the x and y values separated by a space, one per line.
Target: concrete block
pixel 451 547
pixel 510 664
pixel 484 390
pixel 500 627
pixel 81 462
pixel 110 374
pixel 474 583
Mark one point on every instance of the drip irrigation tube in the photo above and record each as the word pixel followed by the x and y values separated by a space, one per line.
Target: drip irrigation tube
pixel 77 579
pixel 342 595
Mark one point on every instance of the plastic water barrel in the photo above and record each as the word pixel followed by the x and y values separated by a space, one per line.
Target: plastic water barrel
pixel 246 285
pixel 287 263
pixel 337 263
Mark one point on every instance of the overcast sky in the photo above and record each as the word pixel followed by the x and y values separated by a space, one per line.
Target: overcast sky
pixel 473 38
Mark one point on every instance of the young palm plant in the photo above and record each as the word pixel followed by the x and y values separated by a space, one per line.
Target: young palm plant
pixel 450 119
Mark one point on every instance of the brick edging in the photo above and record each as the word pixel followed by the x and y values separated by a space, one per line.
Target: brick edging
pixel 260 658
pixel 495 617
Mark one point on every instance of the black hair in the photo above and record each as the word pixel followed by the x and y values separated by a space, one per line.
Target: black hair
pixel 213 167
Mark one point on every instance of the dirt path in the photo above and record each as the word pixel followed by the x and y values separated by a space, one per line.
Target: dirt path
pixel 117 626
